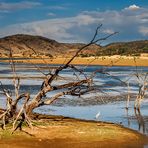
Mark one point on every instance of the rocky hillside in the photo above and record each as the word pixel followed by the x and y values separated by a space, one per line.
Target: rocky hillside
pixel 31 46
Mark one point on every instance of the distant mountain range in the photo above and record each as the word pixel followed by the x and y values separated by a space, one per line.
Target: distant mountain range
pixel 31 46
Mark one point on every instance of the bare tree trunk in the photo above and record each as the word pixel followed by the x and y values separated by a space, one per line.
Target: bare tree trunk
pixel 76 88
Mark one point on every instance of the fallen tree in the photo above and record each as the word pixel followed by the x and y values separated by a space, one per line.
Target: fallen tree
pixel 80 85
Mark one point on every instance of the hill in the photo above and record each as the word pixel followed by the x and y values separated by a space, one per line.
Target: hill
pixel 125 48
pixel 31 46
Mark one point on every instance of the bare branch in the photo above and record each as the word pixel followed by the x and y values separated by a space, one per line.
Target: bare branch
pixel 96 33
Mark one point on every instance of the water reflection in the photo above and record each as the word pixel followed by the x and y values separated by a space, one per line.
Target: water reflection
pixel 127 114
pixel 87 108
pixel 112 112
pixel 142 121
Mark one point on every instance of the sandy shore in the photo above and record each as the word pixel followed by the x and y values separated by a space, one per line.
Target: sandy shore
pixel 59 132
pixel 105 60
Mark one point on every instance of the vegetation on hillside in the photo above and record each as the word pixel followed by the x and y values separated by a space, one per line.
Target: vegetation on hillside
pixel 128 48
pixel 31 46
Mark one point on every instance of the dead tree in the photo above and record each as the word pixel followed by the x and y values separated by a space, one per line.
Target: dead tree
pixel 77 87
pixel 143 83
pixel 142 89
pixel 128 96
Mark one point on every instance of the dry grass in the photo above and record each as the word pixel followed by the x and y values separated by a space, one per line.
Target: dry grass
pixel 105 60
pixel 74 133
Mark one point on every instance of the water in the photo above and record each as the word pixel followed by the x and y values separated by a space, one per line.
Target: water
pixel 111 112
pixel 89 105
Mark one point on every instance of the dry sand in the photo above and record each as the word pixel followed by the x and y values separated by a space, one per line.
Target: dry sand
pixel 105 60
pixel 72 133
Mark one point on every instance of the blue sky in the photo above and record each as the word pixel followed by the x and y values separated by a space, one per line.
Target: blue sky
pixel 75 20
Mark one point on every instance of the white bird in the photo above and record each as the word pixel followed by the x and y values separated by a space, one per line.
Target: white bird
pixel 97 115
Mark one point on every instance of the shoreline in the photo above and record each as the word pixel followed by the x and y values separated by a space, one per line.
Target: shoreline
pixel 102 61
pixel 59 131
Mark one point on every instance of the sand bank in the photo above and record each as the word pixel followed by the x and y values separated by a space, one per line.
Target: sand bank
pixel 105 60
pixel 60 132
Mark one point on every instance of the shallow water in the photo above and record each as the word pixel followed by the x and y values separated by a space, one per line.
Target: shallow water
pixel 111 112
pixel 71 107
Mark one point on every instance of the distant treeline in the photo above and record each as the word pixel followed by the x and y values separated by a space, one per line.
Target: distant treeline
pixel 128 48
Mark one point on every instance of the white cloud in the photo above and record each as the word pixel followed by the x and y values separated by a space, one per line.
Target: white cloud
pixel 85 19
pixel 132 7
pixel 18 5
pixel 108 31
pixel 53 28
pixel 51 14
pixel 144 30
pixel 129 24
pixel 57 7
pixel 4 11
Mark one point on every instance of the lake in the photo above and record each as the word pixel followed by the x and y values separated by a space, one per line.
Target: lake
pixel 109 99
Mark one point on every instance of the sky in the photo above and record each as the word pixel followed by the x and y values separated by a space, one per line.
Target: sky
pixel 75 20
